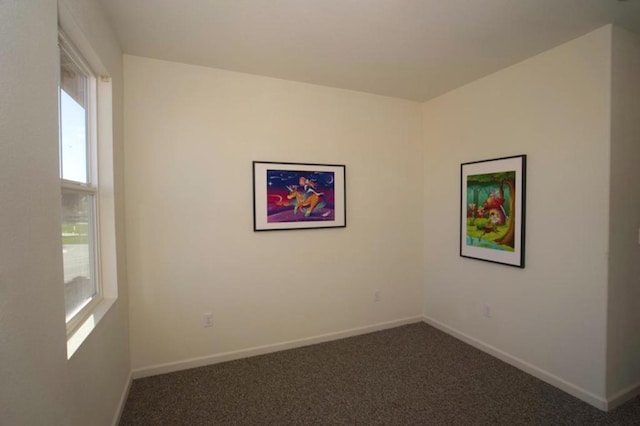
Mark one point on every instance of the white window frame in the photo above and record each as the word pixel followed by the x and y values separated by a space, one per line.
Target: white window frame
pixel 100 177
pixel 91 186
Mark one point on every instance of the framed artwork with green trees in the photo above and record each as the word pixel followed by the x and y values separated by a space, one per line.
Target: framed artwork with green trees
pixel 492 210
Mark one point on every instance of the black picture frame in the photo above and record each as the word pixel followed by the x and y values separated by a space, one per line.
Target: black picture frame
pixel 291 196
pixel 492 210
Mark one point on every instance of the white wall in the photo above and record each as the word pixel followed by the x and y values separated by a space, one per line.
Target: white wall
pixel 38 384
pixel 549 318
pixel 624 264
pixel 192 134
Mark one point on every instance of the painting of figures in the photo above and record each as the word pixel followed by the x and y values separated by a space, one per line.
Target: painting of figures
pixel 298 196
pixel 492 210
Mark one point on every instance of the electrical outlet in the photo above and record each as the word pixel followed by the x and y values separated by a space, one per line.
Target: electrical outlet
pixel 207 319
pixel 376 295
pixel 486 311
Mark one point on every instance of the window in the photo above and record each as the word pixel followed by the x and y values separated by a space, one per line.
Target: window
pixel 85 140
pixel 78 177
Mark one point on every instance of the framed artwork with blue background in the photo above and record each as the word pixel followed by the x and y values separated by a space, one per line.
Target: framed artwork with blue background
pixel 290 196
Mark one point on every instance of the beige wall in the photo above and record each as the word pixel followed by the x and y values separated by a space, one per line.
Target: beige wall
pixel 38 384
pixel 549 318
pixel 192 134
pixel 624 284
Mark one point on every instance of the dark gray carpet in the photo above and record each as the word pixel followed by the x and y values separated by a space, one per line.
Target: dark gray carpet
pixel 410 375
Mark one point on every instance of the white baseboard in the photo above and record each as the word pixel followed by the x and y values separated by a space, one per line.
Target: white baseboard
pixel 623 396
pixel 265 349
pixel 123 400
pixel 541 374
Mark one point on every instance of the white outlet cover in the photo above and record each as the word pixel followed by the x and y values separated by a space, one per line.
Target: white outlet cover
pixel 207 319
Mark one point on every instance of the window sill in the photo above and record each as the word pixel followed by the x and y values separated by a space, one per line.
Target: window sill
pixel 75 339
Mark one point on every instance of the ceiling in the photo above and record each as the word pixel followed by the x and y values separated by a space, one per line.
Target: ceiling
pixel 412 49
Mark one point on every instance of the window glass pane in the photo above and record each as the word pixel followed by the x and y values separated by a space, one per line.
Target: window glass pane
pixel 78 242
pixel 73 121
